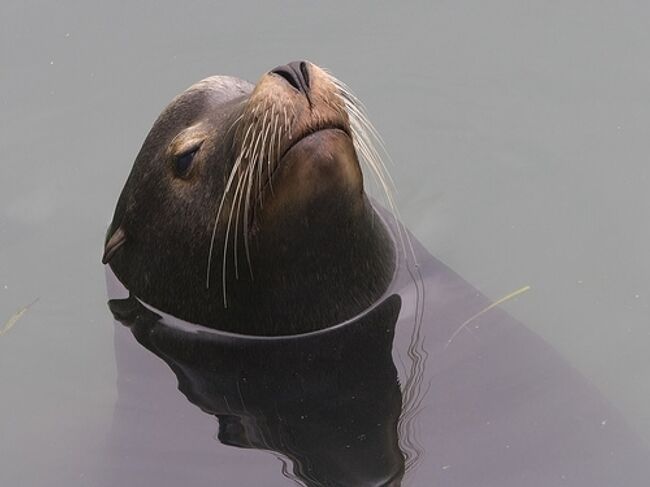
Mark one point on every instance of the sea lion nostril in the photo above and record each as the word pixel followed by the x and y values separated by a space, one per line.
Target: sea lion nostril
pixel 288 75
pixel 305 73
pixel 296 74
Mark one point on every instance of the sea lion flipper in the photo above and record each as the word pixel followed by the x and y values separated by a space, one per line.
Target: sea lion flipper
pixel 113 244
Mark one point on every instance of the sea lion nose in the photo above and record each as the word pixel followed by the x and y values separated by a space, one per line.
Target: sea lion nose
pixel 296 74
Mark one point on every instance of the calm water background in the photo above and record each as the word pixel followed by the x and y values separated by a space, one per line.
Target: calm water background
pixel 520 136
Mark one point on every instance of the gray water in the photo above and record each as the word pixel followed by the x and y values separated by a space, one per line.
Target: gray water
pixel 519 135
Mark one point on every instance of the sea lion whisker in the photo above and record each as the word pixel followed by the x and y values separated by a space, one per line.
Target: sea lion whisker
pixel 358 118
pixel 272 125
pixel 286 122
pixel 364 134
pixel 371 133
pixel 258 155
pixel 263 151
pixel 265 160
pixel 291 122
pixel 247 203
pixel 252 158
pixel 370 158
pixel 233 173
pixel 364 160
pixel 229 182
pixel 245 141
pixel 251 150
pixel 359 115
pixel 225 250
pixel 277 143
pixel 237 197
pixel 367 135
pixel 249 146
pixel 272 138
pixel 235 123
pixel 351 101
pixel 237 200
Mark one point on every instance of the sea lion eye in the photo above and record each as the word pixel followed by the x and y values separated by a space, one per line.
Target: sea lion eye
pixel 183 162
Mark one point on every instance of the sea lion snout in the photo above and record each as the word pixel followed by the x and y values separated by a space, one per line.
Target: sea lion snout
pixel 318 169
pixel 290 104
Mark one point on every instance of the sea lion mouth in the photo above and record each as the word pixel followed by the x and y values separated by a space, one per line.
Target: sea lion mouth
pixel 300 152
pixel 312 132
pixel 303 138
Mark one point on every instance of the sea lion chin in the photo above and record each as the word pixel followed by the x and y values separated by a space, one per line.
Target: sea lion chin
pixel 245 208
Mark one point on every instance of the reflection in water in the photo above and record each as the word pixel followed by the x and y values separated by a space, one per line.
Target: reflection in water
pixel 329 401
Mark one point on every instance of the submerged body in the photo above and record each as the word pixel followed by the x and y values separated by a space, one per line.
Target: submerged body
pixel 490 406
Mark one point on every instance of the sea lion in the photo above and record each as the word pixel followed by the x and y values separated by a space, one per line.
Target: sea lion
pixel 246 205
pixel 299 247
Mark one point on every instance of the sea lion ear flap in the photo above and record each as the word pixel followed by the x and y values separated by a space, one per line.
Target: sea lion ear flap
pixel 113 244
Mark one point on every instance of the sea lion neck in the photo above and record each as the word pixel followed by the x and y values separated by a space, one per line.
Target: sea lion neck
pixel 311 271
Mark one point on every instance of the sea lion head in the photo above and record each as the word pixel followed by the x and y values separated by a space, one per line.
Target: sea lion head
pixel 245 208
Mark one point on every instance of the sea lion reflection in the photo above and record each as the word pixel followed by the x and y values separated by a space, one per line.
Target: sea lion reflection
pixel 329 401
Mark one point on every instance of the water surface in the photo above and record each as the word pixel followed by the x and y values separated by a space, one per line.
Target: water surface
pixel 518 132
